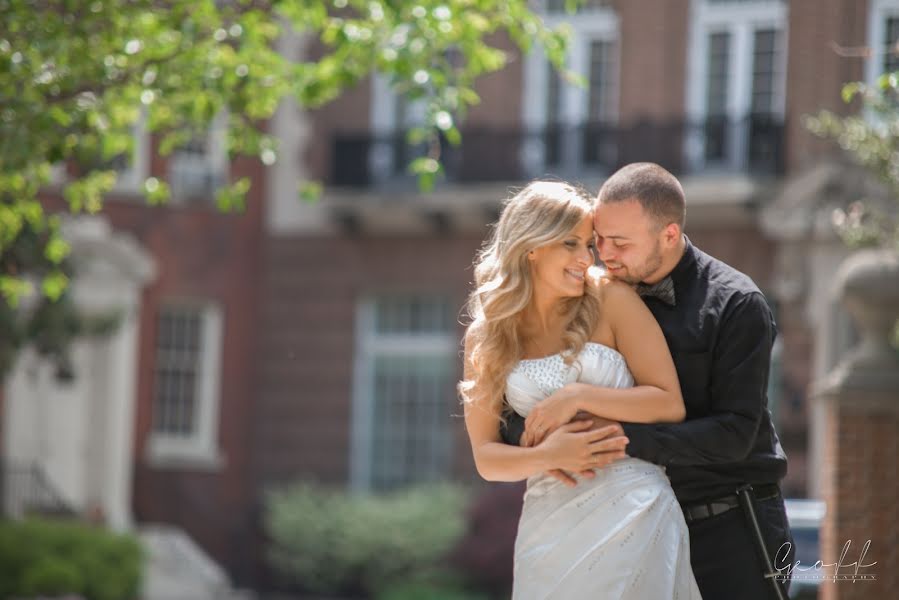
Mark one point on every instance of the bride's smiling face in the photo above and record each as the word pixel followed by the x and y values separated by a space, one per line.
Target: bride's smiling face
pixel 560 268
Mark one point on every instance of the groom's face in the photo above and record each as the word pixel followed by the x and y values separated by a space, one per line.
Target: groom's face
pixel 627 240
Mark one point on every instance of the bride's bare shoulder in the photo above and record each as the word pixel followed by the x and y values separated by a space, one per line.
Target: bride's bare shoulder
pixel 608 288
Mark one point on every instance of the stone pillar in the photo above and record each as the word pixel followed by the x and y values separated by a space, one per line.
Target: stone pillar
pixel 80 433
pixel 861 439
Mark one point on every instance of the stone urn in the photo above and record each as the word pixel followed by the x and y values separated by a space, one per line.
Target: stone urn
pixel 868 284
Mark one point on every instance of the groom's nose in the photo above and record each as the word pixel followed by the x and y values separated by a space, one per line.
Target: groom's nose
pixel 604 249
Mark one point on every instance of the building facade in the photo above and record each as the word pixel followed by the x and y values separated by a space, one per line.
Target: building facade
pixel 714 90
pixel 321 341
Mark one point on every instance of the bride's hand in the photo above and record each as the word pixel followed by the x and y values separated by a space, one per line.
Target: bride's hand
pixel 572 449
pixel 552 412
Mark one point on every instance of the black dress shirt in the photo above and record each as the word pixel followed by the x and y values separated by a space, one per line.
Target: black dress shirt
pixel 720 332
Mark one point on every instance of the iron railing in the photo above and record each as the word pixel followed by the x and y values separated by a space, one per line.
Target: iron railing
pixel 752 145
pixel 26 490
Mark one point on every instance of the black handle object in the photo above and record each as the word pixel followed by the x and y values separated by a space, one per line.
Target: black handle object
pixel 747 501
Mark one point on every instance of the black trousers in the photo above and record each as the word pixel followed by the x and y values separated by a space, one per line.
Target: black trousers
pixel 724 555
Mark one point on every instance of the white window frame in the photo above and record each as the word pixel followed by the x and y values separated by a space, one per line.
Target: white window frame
pixel 214 162
pixel 131 180
pixel 200 449
pixel 741 20
pixel 586 27
pixel 385 127
pixel 369 346
pixel 879 11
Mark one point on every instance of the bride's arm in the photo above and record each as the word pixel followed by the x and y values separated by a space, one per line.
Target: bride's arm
pixel 571 447
pixel 656 396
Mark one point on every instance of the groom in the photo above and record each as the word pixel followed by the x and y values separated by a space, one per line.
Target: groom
pixel 725 461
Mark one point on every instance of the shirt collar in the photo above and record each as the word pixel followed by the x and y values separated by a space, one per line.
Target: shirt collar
pixel 686 262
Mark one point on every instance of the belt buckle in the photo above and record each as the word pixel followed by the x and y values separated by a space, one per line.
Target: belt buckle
pixel 697 512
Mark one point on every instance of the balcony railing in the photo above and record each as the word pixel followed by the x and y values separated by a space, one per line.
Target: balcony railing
pixel 752 145
pixel 26 490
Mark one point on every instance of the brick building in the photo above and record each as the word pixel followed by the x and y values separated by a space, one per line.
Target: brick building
pixel 715 90
pixel 324 337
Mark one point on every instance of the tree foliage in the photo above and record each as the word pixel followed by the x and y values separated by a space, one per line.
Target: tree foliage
pixel 871 137
pixel 76 76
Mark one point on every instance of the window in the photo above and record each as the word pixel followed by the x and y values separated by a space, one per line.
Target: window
pixel 134 169
pixel 186 383
pixel 131 168
pixel 716 96
pixel 388 153
pixel 573 123
pixel 891 45
pixel 883 32
pixel 602 81
pixel 199 168
pixel 553 118
pixel 404 391
pixel 736 94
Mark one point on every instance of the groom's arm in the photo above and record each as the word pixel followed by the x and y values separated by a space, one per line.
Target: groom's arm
pixel 739 380
pixel 512 429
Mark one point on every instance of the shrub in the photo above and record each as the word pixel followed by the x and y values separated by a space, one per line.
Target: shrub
pixel 485 553
pixel 50 577
pixel 334 541
pixel 61 557
pixel 435 590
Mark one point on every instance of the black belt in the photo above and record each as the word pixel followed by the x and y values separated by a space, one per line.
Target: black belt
pixel 718 506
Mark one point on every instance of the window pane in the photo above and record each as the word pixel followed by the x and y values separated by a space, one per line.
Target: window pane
pixel 178 354
pixel 718 59
pixel 413 399
pixel 891 46
pixel 716 127
pixel 553 95
pixel 412 315
pixel 602 84
pixel 765 62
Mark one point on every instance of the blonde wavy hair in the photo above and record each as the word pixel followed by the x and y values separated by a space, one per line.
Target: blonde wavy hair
pixel 543 213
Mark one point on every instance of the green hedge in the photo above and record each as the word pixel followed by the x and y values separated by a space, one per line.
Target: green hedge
pixel 47 558
pixel 331 541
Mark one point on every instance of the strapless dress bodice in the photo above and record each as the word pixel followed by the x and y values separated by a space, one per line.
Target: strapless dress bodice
pixel 534 379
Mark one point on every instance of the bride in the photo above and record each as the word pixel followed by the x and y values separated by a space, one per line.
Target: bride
pixel 543 325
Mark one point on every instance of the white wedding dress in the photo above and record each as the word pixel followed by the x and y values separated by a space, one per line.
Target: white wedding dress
pixel 620 535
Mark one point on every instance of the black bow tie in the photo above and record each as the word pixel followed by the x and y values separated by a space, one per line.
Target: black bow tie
pixel 663 290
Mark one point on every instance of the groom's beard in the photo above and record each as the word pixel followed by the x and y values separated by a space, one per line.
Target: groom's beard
pixel 652 264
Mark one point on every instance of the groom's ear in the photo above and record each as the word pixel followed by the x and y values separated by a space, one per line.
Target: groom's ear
pixel 671 234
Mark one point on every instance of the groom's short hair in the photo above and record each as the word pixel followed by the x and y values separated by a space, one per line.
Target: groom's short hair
pixel 658 192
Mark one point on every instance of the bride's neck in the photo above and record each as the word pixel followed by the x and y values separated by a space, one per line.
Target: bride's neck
pixel 542 319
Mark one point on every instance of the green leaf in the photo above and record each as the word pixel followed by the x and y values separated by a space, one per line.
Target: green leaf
pixel 232 198
pixel 850 90
pixel 156 191
pixel 310 191
pixel 54 284
pixel 424 166
pixel 56 250
pixel 453 136
pixel 14 289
